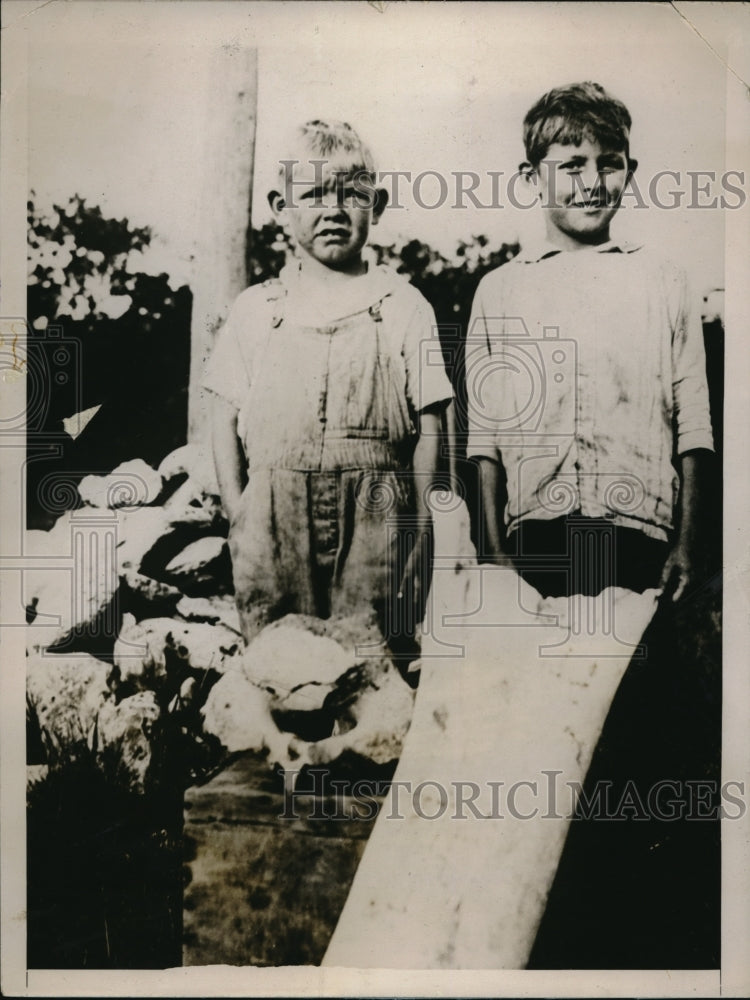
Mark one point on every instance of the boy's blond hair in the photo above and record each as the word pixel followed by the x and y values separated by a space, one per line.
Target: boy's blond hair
pixel 327 140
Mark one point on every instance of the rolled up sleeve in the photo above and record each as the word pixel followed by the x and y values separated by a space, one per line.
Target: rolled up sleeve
pixel 426 380
pixel 692 415
pixel 227 372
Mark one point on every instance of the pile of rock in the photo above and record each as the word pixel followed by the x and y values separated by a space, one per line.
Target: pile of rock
pixel 133 636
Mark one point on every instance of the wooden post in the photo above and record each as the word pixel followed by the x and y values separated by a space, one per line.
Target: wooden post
pixel 223 215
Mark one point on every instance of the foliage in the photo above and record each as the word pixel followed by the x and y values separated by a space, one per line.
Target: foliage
pixel 85 267
pixel 104 333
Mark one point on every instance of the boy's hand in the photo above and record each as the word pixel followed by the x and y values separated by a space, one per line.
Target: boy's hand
pixel 677 574
pixel 412 579
pixel 679 569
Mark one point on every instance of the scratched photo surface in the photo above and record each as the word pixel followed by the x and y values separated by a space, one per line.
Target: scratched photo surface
pixel 293 697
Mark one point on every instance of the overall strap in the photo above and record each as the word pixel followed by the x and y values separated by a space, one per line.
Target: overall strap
pixel 275 296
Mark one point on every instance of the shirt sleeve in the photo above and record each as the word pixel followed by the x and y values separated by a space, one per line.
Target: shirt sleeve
pixel 692 413
pixel 228 372
pixel 426 380
pixel 481 383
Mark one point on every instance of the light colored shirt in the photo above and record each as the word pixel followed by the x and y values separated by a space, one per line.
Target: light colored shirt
pixel 586 376
pixel 408 339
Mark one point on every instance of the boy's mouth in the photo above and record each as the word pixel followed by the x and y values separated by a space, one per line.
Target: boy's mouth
pixel 334 233
pixel 595 205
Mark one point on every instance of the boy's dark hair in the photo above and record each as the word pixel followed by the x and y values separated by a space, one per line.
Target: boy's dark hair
pixel 570 114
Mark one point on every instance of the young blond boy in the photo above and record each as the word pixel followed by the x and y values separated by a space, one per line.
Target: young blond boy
pixel 328 407
pixel 586 376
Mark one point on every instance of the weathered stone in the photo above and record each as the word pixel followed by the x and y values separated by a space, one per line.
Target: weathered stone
pixel 151 537
pixel 358 634
pixel 205 647
pixel 65 693
pixel 283 658
pixel 192 460
pixel 213 610
pixel 129 744
pixel 139 532
pixel 305 698
pixel 145 597
pixel 202 565
pixel 73 608
pixel 192 505
pixel 156 653
pixel 131 484
pixel 237 713
pixel 186 697
pixel 371 723
pixel 55 542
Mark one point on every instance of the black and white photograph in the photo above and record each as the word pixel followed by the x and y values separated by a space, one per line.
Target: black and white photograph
pixel 374 385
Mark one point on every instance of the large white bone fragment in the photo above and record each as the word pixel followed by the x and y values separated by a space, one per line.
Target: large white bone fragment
pixel 513 695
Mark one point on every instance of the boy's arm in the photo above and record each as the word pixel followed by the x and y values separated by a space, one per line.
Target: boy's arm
pixel 425 466
pixel 679 569
pixel 482 420
pixel 490 546
pixel 693 441
pixel 229 459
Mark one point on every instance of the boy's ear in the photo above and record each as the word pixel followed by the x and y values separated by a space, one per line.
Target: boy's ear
pixel 277 203
pixel 380 200
pixel 632 165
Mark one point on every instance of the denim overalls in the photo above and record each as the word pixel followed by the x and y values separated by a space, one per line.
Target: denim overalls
pixel 329 440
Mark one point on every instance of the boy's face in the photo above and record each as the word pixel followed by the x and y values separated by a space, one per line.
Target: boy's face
pixel 328 210
pixel 580 189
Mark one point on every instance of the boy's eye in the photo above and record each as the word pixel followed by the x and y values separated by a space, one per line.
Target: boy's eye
pixel 357 197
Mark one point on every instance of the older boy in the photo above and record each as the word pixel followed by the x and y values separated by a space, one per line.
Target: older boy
pixel 328 407
pixel 586 376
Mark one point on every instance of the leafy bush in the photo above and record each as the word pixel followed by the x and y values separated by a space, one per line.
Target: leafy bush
pixel 127 339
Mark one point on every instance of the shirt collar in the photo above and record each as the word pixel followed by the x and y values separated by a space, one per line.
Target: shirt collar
pixel 356 296
pixel 541 250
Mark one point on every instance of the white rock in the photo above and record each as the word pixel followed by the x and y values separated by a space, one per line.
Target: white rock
pixel 359 634
pixel 192 505
pixel 144 650
pixel 213 610
pixel 53 543
pixel 237 713
pixel 74 605
pixel 151 597
pixel 131 484
pixel 282 658
pixel 66 693
pixel 150 537
pixel 128 741
pixel 307 698
pixel 138 532
pixel 381 716
pixel 194 460
pixel 199 560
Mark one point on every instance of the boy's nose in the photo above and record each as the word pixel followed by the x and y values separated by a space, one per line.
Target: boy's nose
pixel 333 206
pixel 590 178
